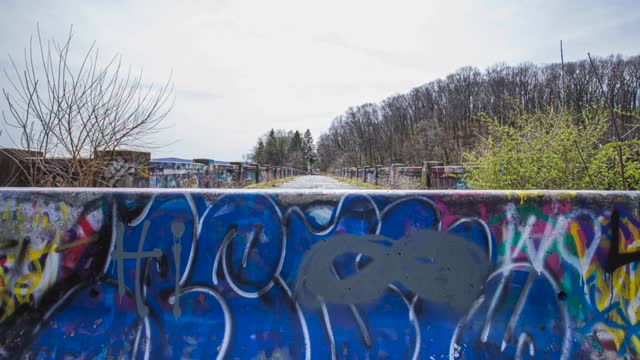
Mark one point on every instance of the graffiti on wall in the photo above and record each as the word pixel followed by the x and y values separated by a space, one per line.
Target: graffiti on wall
pixel 300 276
pixel 408 177
pixel 448 177
pixel 249 174
pixel 370 175
pixel 225 176
pixel 176 175
pixel 384 176
pixel 128 169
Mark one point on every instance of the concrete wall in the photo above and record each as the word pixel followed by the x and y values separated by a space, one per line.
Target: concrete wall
pixel 133 169
pixel 177 175
pixel 128 169
pixel 431 175
pixel 11 173
pixel 206 174
pixel 286 275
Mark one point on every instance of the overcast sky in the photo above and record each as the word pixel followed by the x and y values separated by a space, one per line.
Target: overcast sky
pixel 243 67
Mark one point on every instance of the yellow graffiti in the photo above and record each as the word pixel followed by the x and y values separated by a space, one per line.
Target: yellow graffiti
pixel 575 231
pixel 6 297
pixel 21 278
pixel 7 213
pixel 28 283
pixel 625 283
pixel 65 211
pixel 45 221
pixel 19 213
pixel 36 219
pixel 529 194
pixel 629 245
pixel 623 287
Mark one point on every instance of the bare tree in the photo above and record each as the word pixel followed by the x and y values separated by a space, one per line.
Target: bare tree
pixel 71 116
pixel 440 120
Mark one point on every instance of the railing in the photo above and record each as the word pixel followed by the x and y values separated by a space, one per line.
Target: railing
pixel 135 169
pixel 431 175
pixel 208 174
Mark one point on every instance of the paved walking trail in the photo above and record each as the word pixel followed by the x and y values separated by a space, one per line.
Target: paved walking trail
pixel 316 182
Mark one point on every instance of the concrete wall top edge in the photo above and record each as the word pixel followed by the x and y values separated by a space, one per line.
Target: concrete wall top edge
pixel 316 191
pixel 632 198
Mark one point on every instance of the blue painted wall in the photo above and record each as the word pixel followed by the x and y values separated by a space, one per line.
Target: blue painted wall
pixel 281 275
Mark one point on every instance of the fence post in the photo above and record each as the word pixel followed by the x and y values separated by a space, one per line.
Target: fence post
pixel 392 174
pixel 428 165
pixel 364 175
pixel 426 181
pixel 208 179
pixel 239 181
pixel 257 173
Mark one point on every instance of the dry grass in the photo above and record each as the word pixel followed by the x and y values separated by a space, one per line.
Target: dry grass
pixel 271 184
pixel 361 184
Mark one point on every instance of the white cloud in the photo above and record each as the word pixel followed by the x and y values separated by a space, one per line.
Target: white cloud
pixel 242 67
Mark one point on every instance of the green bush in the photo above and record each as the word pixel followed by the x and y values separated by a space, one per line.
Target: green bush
pixel 551 150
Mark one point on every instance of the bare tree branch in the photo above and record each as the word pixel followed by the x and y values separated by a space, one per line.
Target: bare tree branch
pixel 71 117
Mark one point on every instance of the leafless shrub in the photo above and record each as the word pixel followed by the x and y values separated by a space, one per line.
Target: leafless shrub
pixel 70 116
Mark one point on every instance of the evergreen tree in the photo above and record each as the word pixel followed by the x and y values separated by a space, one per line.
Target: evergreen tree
pixel 271 149
pixel 309 150
pixel 295 154
pixel 259 154
pixel 284 148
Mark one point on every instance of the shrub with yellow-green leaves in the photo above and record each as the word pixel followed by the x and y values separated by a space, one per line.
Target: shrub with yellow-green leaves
pixel 552 150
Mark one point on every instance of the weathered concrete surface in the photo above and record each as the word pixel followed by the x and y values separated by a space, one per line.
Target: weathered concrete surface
pixel 316 182
pixel 318 274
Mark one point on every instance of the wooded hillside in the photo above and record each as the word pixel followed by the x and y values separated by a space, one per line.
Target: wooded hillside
pixel 439 120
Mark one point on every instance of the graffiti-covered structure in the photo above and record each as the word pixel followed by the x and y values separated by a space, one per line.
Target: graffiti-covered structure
pixel 317 275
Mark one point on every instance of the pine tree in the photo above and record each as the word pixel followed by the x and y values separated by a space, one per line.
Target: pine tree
pixel 271 149
pixel 259 154
pixel 309 150
pixel 295 153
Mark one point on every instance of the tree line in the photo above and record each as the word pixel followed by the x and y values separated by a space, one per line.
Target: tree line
pixel 285 148
pixel 441 120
